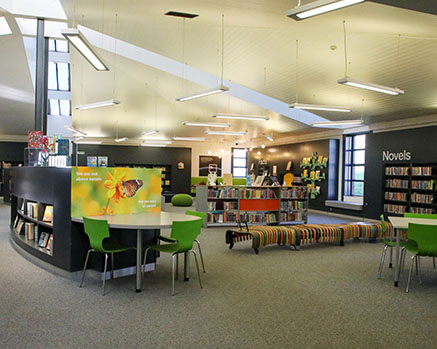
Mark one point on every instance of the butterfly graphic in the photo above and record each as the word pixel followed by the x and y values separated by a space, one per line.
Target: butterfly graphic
pixel 131 187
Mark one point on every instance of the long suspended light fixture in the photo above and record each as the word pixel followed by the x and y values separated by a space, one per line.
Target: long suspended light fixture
pixel 196 139
pixel 153 145
pixel 89 142
pixel 205 124
pixel 72 129
pixel 75 37
pixel 269 138
pixel 320 107
pixel 225 133
pixel 209 92
pixel 149 133
pixel 215 90
pixel 123 139
pixel 97 104
pixel 318 7
pixel 241 117
pixel 370 86
pixel 337 123
pixel 157 141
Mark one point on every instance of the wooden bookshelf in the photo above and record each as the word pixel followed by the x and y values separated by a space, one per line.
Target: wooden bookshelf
pixel 226 205
pixel 410 188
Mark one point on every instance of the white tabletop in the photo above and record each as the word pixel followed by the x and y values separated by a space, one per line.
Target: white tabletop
pixel 152 220
pixel 402 222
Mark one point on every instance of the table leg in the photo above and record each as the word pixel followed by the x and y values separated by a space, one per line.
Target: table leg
pixel 186 266
pixel 396 261
pixel 139 266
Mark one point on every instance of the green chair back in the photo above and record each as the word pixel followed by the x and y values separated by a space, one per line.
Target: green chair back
pixel 97 230
pixel 426 238
pixel 420 215
pixel 185 233
pixel 383 227
pixel 197 214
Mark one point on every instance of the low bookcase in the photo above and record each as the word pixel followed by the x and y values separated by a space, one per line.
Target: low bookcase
pixel 256 205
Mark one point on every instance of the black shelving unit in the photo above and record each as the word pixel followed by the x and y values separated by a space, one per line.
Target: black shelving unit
pixel 410 188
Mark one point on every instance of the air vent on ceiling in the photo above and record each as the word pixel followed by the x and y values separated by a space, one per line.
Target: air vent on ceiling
pixel 181 14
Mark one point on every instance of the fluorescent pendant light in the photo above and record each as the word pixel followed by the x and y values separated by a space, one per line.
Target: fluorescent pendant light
pixel 209 92
pixel 123 139
pixel 241 117
pixel 320 107
pixel 157 141
pixel 4 27
pixel 97 104
pixel 89 142
pixel 370 86
pixel 148 133
pixel 205 124
pixel 318 7
pixel 337 123
pixel 269 138
pixel 152 145
pixel 75 37
pixel 72 129
pixel 225 133
pixel 199 139
pixel 78 138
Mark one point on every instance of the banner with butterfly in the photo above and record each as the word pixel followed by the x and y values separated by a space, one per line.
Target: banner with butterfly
pixel 114 190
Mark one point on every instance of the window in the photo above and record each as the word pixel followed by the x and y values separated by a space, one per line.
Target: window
pixel 60 107
pixel 59 76
pixel 58 45
pixel 239 162
pixel 354 161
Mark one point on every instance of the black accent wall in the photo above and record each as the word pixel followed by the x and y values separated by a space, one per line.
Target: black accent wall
pixel 12 151
pixel 128 155
pixel 280 155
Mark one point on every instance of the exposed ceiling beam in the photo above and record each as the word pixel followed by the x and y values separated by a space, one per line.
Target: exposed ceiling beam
pixel 426 6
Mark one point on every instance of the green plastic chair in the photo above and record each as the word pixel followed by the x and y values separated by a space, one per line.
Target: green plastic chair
pixel 422 215
pixel 98 234
pixel 425 237
pixel 201 215
pixel 181 240
pixel 388 244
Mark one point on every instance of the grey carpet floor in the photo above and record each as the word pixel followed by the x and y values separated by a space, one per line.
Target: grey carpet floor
pixel 322 296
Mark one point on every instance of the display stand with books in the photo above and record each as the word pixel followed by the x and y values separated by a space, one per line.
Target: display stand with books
pixel 410 188
pixel 228 205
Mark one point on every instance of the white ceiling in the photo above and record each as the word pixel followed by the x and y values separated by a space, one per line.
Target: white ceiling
pixel 258 36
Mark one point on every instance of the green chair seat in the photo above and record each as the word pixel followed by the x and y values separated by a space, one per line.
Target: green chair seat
pixel 182 200
pixel 98 234
pixel 166 248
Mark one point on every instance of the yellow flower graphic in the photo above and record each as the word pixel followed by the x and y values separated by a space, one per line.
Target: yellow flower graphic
pixel 114 184
pixel 107 211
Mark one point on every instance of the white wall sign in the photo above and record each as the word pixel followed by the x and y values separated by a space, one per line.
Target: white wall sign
pixel 389 156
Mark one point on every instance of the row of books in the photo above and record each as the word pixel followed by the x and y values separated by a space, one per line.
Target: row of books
pixel 224 217
pixel 257 194
pixel 258 217
pixel 293 205
pixel 292 216
pixel 422 185
pixel 228 193
pixel 33 211
pixel 399 209
pixel 165 182
pixel 422 210
pixel 227 205
pixel 295 193
pixel 397 171
pixel 396 183
pixel 421 171
pixel 31 232
pixel 395 196
pixel 422 198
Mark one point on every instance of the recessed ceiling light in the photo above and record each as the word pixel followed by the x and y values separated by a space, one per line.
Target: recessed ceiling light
pixel 181 14
pixel 205 124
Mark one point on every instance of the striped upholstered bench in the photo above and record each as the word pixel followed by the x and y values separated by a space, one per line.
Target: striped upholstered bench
pixel 305 234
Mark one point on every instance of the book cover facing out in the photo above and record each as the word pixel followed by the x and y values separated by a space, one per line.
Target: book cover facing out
pixel 34 139
pixel 63 147
pixel 103 161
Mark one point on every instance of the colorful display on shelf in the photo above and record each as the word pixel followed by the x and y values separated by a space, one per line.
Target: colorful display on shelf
pixel 114 190
pixel 34 139
pixel 312 167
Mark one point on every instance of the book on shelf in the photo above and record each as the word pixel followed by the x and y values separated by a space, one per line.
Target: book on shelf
pixel 49 245
pixel 29 231
pixel 48 214
pixel 227 179
pixel 32 210
pixel 16 221
pixel 259 181
pixel 19 226
pixel 44 237
pixel 35 234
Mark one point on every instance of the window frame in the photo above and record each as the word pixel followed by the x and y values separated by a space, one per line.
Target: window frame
pixel 239 157
pixel 348 184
